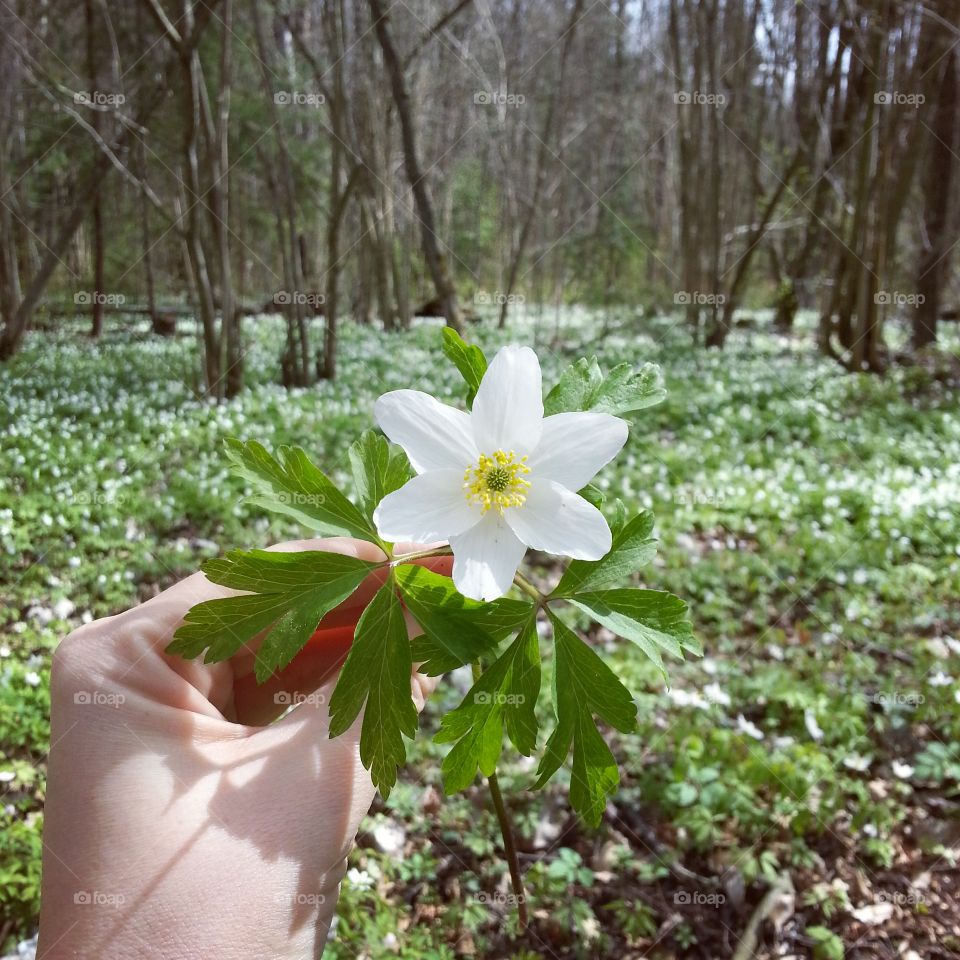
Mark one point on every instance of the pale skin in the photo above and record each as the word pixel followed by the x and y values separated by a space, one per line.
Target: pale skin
pixel 183 819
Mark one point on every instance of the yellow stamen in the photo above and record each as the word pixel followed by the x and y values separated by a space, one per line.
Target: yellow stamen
pixel 497 482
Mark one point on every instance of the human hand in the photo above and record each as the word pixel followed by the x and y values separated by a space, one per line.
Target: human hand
pixel 181 822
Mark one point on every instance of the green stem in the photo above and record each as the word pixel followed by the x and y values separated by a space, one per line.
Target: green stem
pixel 506 831
pixel 420 554
pixel 528 588
pixel 509 849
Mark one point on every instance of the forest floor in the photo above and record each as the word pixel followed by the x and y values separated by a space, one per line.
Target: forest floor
pixel 810 517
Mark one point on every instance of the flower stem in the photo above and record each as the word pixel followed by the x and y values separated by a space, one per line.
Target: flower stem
pixel 420 554
pixel 528 588
pixel 510 849
pixel 506 831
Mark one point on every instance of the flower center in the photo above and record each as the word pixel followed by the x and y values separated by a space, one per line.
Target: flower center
pixel 497 481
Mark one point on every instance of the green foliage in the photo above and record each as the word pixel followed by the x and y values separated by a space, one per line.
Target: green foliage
pixel 468 358
pixel 377 673
pixel 457 630
pixel 652 619
pixel 20 848
pixel 379 468
pixel 826 944
pixel 294 486
pixel 503 696
pixel 585 686
pixel 583 386
pixel 291 590
pixel 632 549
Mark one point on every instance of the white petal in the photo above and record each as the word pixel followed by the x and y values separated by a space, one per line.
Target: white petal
pixel 508 409
pixel 558 521
pixel 434 435
pixel 485 558
pixel 429 507
pixel 574 447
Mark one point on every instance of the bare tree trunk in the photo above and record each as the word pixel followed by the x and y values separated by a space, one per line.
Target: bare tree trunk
pixel 938 179
pixel 231 317
pixel 436 261
pixel 545 137
pixel 97 300
pixel 298 364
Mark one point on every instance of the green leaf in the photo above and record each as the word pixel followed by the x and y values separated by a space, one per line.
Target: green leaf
pixel 652 619
pixel 632 548
pixel 378 468
pixel 295 487
pixel 584 687
pixel 377 673
pixel 523 689
pixel 469 360
pixel 582 386
pixel 505 695
pixel 593 494
pixel 292 590
pixel 456 630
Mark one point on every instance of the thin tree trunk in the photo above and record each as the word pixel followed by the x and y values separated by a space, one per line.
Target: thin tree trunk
pixel 231 318
pixel 97 300
pixel 436 261
pixel 545 137
pixel 937 184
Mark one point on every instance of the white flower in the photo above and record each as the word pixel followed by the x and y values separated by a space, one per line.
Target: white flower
pixel 902 770
pixel 716 694
pixel 500 479
pixel 748 727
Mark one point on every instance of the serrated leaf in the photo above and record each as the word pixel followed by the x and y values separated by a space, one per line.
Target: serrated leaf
pixel 522 690
pixel 584 687
pixel 456 630
pixel 617 516
pixel 468 358
pixel 294 591
pixel 293 486
pixel 377 673
pixel 652 619
pixel 378 468
pixel 632 548
pixel 583 386
pixel 505 695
